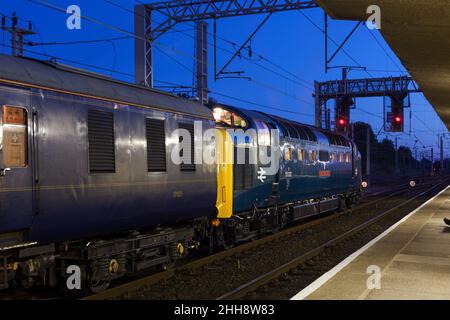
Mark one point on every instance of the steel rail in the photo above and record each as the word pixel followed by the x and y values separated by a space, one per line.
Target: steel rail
pixel 135 285
pixel 256 283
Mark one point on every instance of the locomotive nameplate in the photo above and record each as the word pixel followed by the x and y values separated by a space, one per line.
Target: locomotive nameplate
pixel 325 173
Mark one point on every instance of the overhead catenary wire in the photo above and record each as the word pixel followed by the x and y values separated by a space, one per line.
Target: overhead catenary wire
pixel 423 122
pixel 164 82
pixel 334 42
pixel 44 44
pixel 307 83
pixel 260 105
pixel 77 42
pixel 385 51
pixel 349 56
pixel 107 40
pixel 171 49
pixel 243 100
pixel 121 30
pixel 53 57
pixel 303 82
pixel 257 82
pixel 174 60
pixel 225 95
pixel 33 26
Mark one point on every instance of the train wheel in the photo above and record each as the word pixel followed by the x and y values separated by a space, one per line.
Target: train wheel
pixel 96 286
pixel 280 223
pixel 342 205
pixel 27 282
pixel 349 201
pixel 222 239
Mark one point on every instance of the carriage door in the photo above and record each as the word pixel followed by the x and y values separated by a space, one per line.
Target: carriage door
pixel 16 172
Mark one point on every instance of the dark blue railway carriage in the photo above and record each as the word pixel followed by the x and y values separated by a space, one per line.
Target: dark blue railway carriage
pixel 84 157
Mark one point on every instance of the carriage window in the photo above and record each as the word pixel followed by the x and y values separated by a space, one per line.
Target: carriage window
pixel 14 137
pixel 288 153
pixel 312 156
pixel 301 154
pixel 324 156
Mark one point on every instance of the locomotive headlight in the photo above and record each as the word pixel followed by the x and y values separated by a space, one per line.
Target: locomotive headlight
pixel 412 183
pixel 364 184
pixel 217 113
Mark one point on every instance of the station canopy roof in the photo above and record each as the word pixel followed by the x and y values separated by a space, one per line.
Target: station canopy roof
pixel 418 31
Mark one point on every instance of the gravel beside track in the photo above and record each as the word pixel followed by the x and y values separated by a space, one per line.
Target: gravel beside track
pixel 219 277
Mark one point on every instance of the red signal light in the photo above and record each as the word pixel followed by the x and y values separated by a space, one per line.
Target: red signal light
pixel 398 119
pixel 341 122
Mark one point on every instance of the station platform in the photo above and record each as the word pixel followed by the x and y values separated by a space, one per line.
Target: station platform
pixel 413 257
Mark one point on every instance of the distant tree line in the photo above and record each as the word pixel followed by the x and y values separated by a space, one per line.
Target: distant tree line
pixel 382 155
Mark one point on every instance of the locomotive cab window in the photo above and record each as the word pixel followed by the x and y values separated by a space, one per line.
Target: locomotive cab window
pixel 15 150
pixel 229 118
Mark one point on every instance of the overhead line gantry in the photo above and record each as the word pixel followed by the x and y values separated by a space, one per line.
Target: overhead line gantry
pixel 179 11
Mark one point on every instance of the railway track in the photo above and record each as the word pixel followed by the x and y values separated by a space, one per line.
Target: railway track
pixel 379 188
pixel 248 289
pixel 138 288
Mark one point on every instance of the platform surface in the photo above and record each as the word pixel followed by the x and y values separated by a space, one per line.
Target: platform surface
pixel 413 257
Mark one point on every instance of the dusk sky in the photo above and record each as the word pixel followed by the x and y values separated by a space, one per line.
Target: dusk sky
pixel 288 40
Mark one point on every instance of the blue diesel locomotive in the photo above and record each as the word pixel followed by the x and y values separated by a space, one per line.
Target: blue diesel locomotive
pixel 317 171
pixel 86 176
